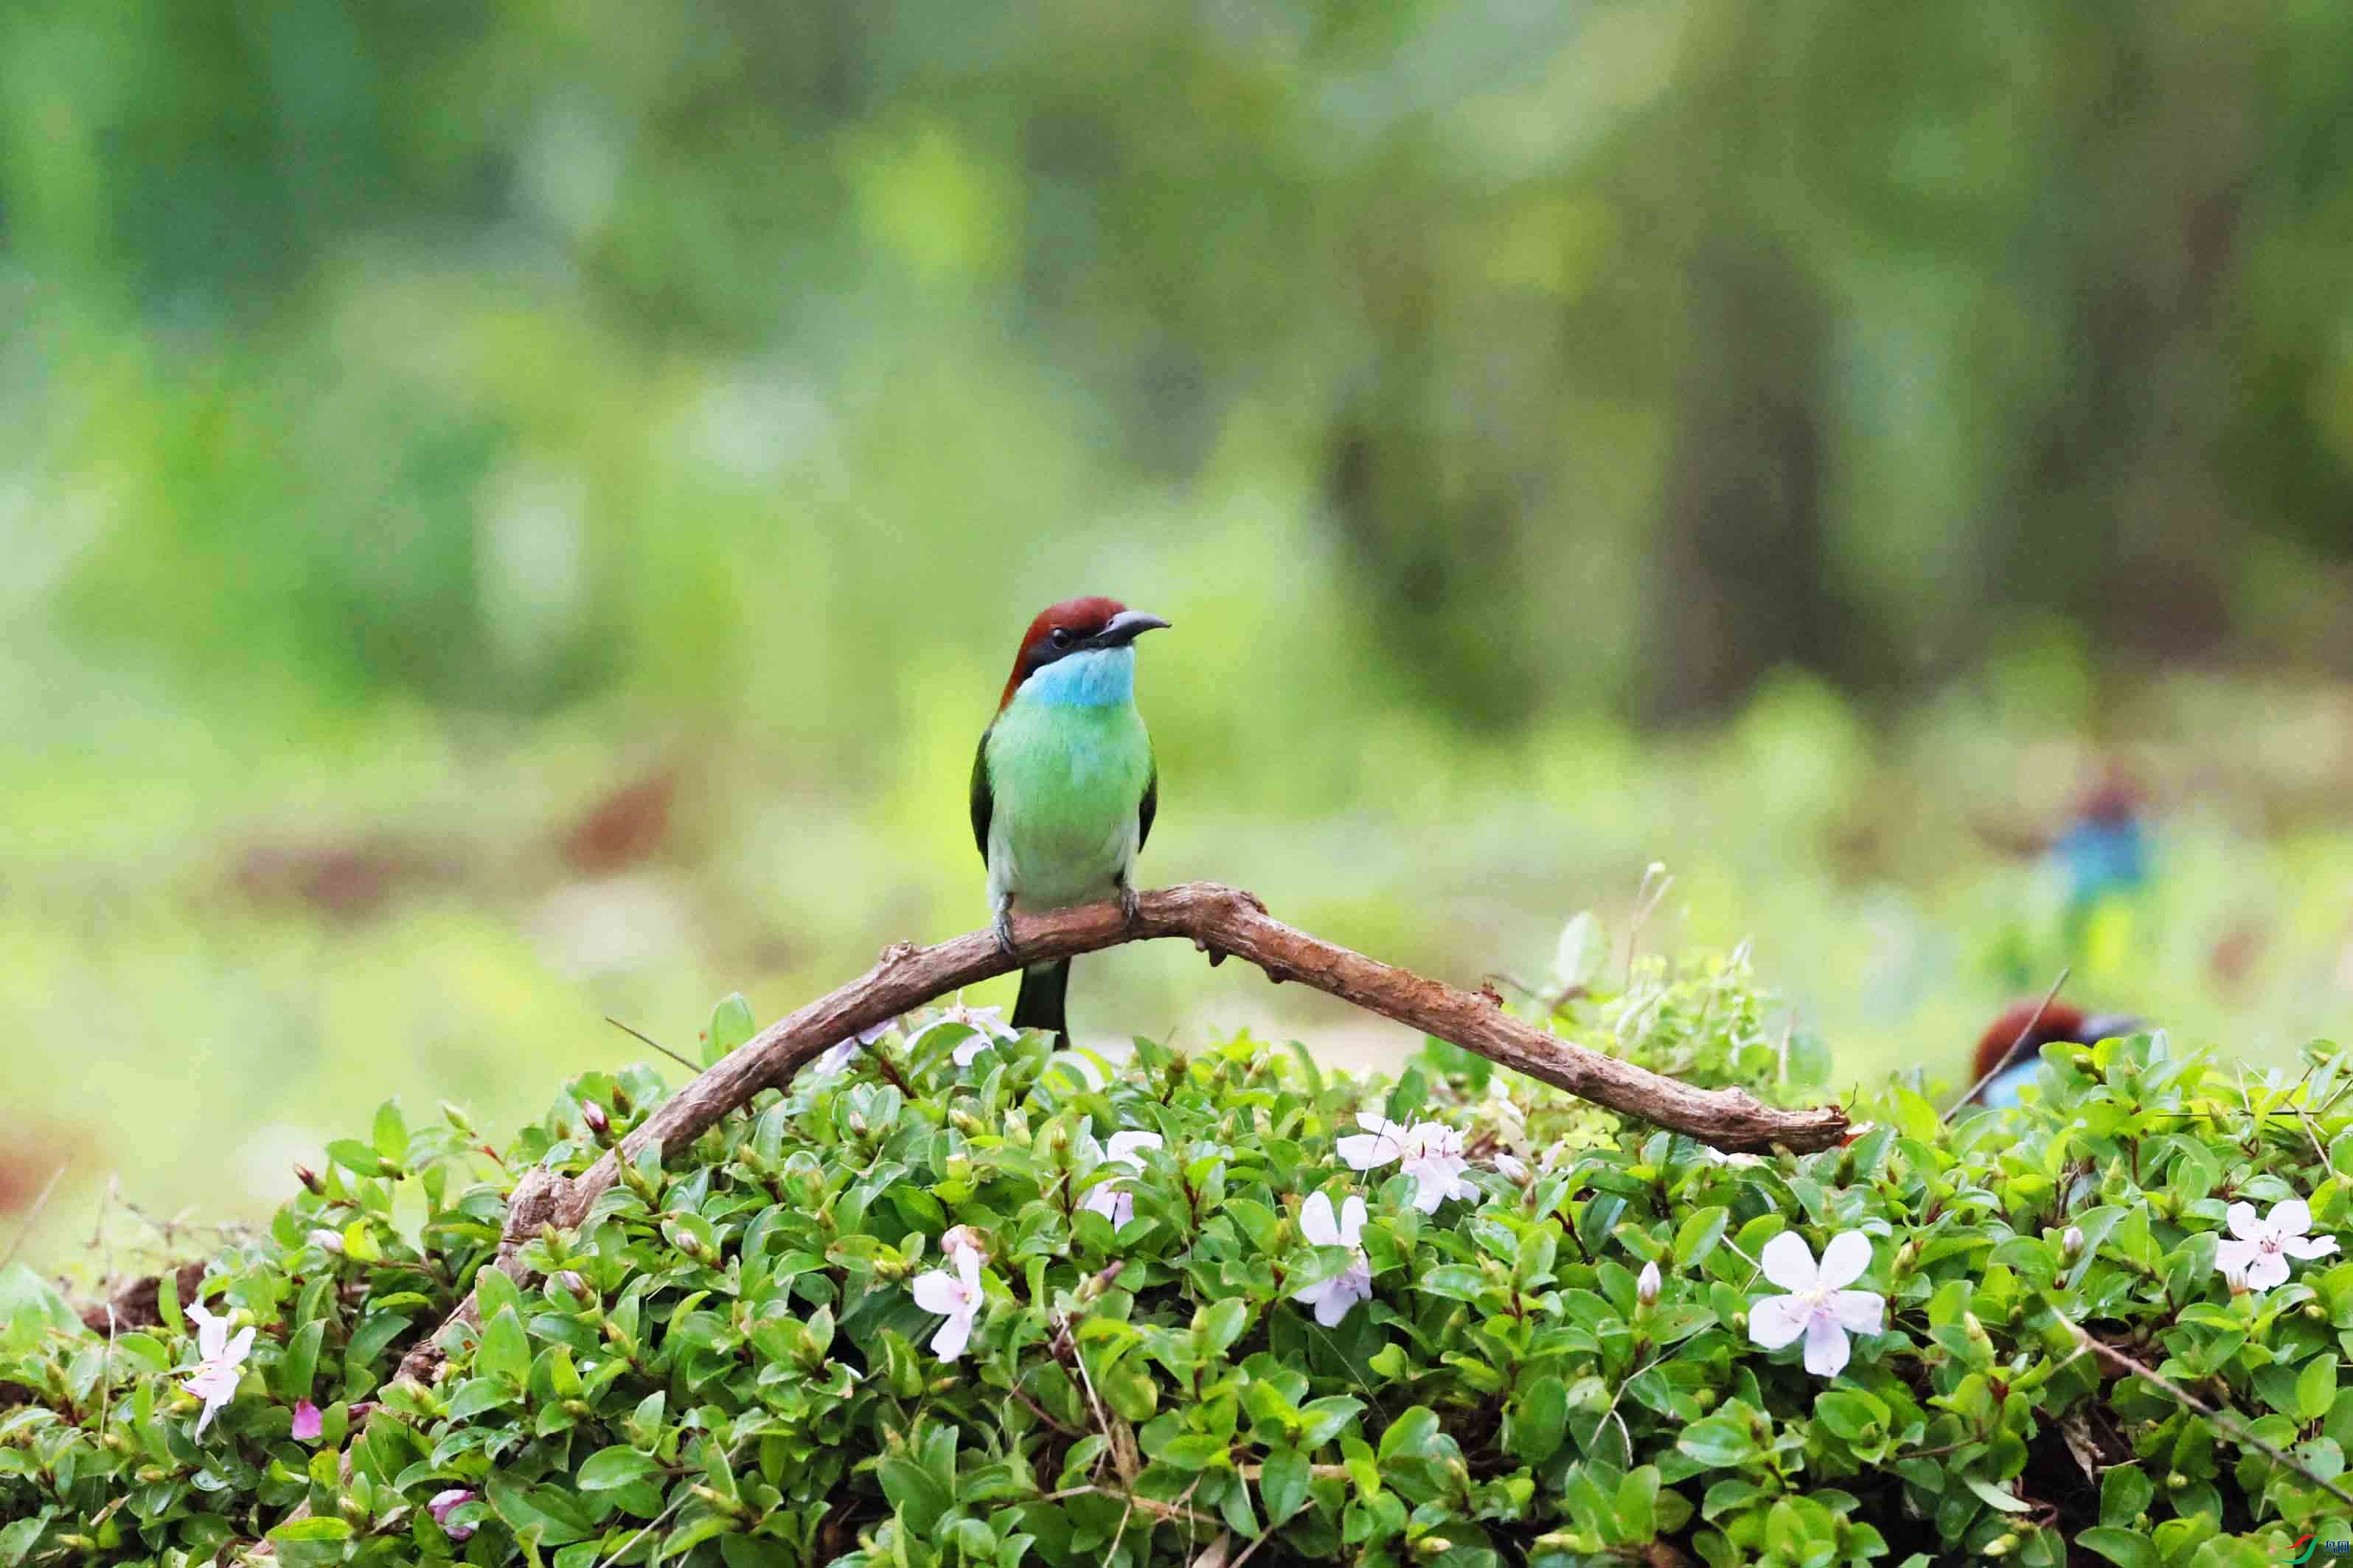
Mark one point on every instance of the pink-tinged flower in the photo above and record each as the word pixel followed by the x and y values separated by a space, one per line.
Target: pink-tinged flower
pixel 220 1364
pixel 308 1422
pixel 987 1026
pixel 1512 1166
pixel 326 1240
pixel 840 1056
pixel 2260 1248
pixel 1817 1305
pixel 956 1295
pixel 961 1238
pixel 1381 1142
pixel 1429 1152
pixel 1333 1297
pixel 447 1502
pixel 1108 1198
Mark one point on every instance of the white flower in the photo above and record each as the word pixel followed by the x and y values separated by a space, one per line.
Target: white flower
pixel 956 1297
pixel 2234 1272
pixel 1107 1198
pixel 221 1362
pixel 2260 1248
pixel 1380 1141
pixel 1334 1296
pixel 840 1056
pixel 987 1026
pixel 1512 1166
pixel 1429 1151
pixel 1817 1305
pixel 1646 1284
pixel 326 1240
pixel 1718 1157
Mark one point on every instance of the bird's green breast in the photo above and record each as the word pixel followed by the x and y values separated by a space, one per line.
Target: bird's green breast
pixel 1067 781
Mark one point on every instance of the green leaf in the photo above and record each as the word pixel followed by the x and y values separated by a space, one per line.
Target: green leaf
pixel 732 1024
pixel 551 1515
pixel 1225 1321
pixel 1698 1234
pixel 2124 1494
pixel 357 1157
pixel 1414 1433
pixel 300 1363
pixel 1991 1494
pixel 1192 1451
pixel 390 1133
pixel 1539 1418
pixel 505 1353
pixel 618 1466
pixel 1715 1443
pixel 2126 1548
pixel 2315 1387
pixel 914 1493
pixel 1282 1484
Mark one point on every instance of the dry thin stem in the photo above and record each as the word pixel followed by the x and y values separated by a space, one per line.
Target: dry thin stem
pixel 1221 922
pixel 2223 1421
pixel 1994 1071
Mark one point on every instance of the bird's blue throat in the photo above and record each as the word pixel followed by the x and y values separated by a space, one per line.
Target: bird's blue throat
pixel 1098 677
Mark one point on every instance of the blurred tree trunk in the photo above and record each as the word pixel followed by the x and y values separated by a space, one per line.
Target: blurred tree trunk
pixel 1739 580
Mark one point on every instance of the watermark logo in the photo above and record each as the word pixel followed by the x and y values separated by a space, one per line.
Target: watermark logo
pixel 2308 1547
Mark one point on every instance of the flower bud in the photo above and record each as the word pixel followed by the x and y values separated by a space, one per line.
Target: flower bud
pixel 309 1178
pixel 963 1238
pixel 570 1279
pixel 1646 1287
pixel 326 1240
pixel 593 1117
pixel 2071 1244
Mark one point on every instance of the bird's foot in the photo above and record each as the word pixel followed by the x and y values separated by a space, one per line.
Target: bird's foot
pixel 1003 927
pixel 1131 903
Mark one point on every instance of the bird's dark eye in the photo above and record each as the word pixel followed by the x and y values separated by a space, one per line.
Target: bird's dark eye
pixel 1062 636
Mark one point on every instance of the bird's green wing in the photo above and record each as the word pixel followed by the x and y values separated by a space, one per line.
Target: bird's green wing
pixel 1148 809
pixel 984 799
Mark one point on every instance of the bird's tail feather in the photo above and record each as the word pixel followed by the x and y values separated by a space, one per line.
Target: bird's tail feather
pixel 1040 1004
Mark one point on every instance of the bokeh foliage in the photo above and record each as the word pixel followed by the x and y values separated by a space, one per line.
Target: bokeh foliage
pixel 424 417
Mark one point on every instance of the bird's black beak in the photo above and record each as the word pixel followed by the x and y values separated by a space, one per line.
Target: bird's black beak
pixel 1125 628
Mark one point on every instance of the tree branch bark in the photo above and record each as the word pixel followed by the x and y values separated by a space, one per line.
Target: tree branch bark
pixel 1220 921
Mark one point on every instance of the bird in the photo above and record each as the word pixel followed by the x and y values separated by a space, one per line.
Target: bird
pixel 2009 1053
pixel 1064 784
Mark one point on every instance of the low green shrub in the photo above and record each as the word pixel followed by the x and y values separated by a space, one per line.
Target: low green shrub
pixel 1208 1309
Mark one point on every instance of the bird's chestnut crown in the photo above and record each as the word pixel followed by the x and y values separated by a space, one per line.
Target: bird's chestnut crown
pixel 1075 625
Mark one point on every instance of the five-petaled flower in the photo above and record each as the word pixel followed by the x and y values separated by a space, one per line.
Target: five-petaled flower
pixel 2259 1248
pixel 1818 1305
pixel 838 1057
pixel 987 1026
pixel 1429 1152
pixel 955 1293
pixel 220 1363
pixel 1333 1299
pixel 1108 1198
pixel 444 1503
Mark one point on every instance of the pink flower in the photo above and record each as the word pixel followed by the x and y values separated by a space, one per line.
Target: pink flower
pixel 308 1422
pixel 2259 1249
pixel 446 1503
pixel 1817 1305
pixel 1333 1297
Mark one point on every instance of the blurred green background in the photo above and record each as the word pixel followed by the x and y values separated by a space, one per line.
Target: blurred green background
pixel 519 513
